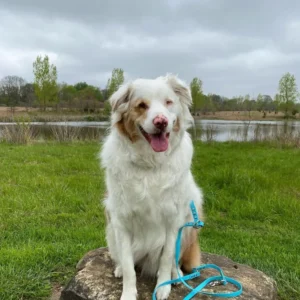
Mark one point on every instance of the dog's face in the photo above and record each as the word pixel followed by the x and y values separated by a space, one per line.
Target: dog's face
pixel 152 110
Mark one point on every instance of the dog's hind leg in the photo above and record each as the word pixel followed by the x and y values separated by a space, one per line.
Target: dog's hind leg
pixel 191 256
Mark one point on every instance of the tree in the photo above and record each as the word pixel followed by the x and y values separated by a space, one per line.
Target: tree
pixel 80 86
pixel 90 93
pixel 265 103
pixel 249 104
pixel 11 88
pixel 260 102
pixel 239 102
pixel 276 103
pixel 27 95
pixel 104 93
pixel 217 101
pixel 45 81
pixel 66 92
pixel 207 104
pixel 89 98
pixel 233 104
pixel 107 109
pixel 288 92
pixel 66 95
pixel 113 83
pixel 116 80
pixel 197 93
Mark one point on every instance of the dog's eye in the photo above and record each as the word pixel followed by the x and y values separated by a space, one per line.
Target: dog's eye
pixel 143 105
pixel 169 102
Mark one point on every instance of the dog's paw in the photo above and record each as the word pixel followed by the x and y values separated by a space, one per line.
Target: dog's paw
pixel 163 292
pixel 130 294
pixel 118 272
pixel 175 275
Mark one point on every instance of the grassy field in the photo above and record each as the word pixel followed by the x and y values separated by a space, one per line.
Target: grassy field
pixel 50 213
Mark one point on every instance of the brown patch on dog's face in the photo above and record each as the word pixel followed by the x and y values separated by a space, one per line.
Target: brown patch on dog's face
pixel 136 113
pixel 176 127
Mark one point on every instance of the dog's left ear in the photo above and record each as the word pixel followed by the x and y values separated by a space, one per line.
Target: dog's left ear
pixel 181 89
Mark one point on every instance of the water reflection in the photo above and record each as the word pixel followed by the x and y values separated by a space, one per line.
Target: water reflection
pixel 219 130
pixel 205 130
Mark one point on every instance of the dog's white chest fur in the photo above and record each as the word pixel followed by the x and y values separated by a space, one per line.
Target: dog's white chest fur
pixel 148 201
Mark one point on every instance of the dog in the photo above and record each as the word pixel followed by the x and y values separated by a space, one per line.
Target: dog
pixel 147 159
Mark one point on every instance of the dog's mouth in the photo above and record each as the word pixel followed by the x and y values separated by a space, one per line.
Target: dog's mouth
pixel 158 141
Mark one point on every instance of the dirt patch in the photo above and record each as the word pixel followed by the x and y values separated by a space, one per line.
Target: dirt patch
pixel 19 110
pixel 56 292
pixel 240 115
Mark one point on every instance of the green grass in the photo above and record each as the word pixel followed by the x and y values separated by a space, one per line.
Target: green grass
pixel 50 213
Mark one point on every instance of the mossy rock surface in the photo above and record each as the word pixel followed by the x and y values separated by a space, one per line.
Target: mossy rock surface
pixel 94 280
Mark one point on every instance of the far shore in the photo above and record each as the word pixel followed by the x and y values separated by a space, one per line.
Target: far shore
pixel 35 114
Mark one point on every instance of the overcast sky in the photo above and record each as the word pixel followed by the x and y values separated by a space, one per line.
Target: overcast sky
pixel 235 46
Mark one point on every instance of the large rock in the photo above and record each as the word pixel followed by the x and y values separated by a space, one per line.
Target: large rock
pixel 95 280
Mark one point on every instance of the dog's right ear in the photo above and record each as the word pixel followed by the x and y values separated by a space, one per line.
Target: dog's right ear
pixel 120 98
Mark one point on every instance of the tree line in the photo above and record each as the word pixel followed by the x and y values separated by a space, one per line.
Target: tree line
pixel 46 92
pixel 285 100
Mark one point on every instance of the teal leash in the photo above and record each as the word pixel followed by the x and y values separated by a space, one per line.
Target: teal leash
pixel 214 280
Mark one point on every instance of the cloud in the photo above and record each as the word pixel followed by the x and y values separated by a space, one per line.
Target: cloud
pixel 235 47
pixel 256 60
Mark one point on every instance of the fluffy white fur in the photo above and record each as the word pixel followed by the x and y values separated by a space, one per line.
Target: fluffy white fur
pixel 148 192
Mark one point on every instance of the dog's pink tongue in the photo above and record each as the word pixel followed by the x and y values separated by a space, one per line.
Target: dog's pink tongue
pixel 159 142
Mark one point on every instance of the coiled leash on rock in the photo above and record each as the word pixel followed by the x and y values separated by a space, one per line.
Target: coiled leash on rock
pixel 212 281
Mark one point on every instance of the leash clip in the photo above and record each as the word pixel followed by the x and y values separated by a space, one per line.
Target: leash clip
pixel 198 224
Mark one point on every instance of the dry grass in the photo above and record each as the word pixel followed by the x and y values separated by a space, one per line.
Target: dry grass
pixel 25 133
pixel 210 133
pixel 281 135
pixel 66 133
pixel 73 133
pixel 21 133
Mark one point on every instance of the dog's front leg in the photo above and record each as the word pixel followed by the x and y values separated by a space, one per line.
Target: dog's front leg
pixel 127 264
pixel 165 266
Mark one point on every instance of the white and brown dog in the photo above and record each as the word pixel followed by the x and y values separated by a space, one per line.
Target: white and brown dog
pixel 147 158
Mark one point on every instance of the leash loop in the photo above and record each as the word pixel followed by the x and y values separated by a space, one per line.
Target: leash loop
pixel 211 281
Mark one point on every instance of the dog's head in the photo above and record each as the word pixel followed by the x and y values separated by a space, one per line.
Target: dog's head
pixel 153 111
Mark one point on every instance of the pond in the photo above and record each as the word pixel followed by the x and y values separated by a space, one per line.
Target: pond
pixel 205 130
pixel 224 130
